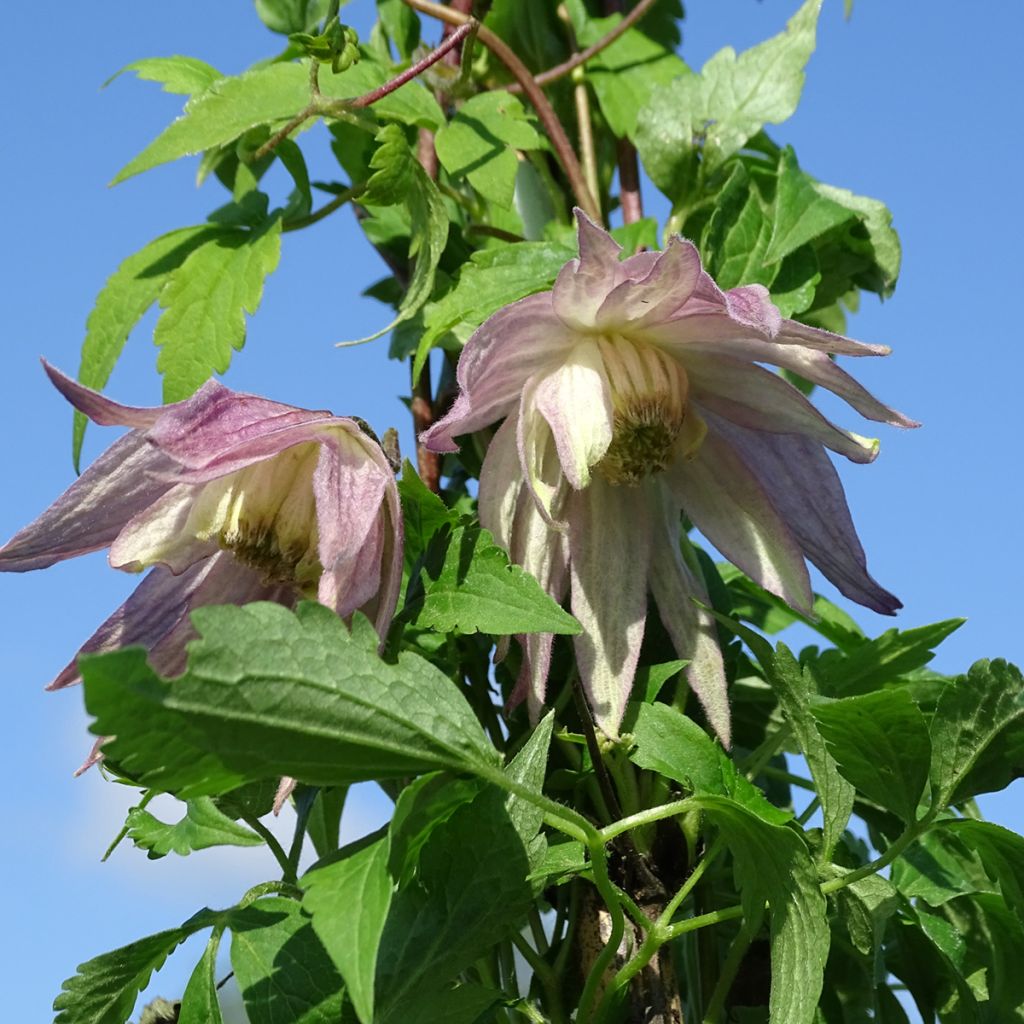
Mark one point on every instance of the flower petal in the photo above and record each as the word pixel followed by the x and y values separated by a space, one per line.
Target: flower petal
pixel 793 332
pixel 668 284
pixel 501 483
pixel 760 400
pixel 515 343
pixel 538 457
pixel 729 506
pixel 97 407
pixel 692 629
pixel 155 616
pixel 805 488
pixel 582 284
pixel 576 401
pixel 92 511
pixel 609 541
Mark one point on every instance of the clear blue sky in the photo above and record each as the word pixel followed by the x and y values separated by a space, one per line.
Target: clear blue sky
pixel 916 104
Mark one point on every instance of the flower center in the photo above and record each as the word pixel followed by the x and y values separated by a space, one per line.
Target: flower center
pixel 649 391
pixel 265 515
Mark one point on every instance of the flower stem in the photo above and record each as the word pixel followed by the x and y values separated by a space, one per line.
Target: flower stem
pixel 326 210
pixel 288 874
pixel 521 73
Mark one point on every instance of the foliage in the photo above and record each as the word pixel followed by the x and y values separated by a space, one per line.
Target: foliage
pixel 654 865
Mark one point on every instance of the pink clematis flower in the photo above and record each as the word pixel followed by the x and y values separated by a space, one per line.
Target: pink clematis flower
pixel 632 390
pixel 229 498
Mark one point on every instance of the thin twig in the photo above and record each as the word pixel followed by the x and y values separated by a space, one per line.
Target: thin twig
pixel 561 70
pixel 521 73
pixel 630 198
pixel 326 210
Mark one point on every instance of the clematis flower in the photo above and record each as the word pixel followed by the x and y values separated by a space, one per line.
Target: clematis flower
pixel 630 391
pixel 226 498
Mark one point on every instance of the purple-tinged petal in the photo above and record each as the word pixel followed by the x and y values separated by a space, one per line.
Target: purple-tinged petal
pixel 576 401
pixel 609 541
pixel 727 503
pixel 501 482
pixel 538 457
pixel 692 629
pixel 666 287
pixel 513 345
pixel 751 306
pixel 155 616
pixel 97 407
pixel 805 488
pixel 582 284
pixel 349 486
pixel 94 757
pixel 760 400
pixel 793 332
pixel 812 364
pixel 165 533
pixel 92 511
pixel 285 788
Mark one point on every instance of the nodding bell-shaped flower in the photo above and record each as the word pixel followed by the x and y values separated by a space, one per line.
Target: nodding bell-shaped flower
pixel 227 498
pixel 629 392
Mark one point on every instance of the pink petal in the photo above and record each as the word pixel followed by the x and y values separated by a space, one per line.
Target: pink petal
pixel 755 398
pixel 805 489
pixel 727 503
pixel 501 483
pixel 539 462
pixel 575 399
pixel 582 284
pixel 98 408
pixel 794 333
pixel 692 629
pixel 609 541
pixel 94 509
pixel 752 306
pixel 498 359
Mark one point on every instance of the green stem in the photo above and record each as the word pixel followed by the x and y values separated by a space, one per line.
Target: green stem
pixel 545 975
pixel 326 210
pixel 912 833
pixel 687 887
pixel 288 872
pixel 691 924
pixel 646 817
pixel 737 950
pixel 605 957
pixel 267 888
pixel 808 811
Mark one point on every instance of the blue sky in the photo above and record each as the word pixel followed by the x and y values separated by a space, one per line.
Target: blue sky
pixel 915 104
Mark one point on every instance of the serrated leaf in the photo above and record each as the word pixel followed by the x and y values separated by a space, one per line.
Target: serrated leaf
pixel 204 304
pixel 529 768
pixel 733 97
pixel 492 279
pixel 477 589
pixel 281 968
pixel 183 75
pixel 199 1004
pixel 795 689
pixel 999 850
pixel 801 212
pixel 470 892
pixel 128 293
pixel 464 1004
pixel 881 744
pixel 324 823
pixel 104 989
pixel 883 659
pixel 348 900
pixel 867 905
pixel 979 712
pixel 202 826
pixel 796 283
pixel 675 746
pixel 393 165
pixel 401 25
pixel 267 693
pixel 938 866
pixel 480 141
pixel 423 512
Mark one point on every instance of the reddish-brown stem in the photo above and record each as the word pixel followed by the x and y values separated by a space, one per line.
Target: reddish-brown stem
pixel 521 73
pixel 561 70
pixel 630 198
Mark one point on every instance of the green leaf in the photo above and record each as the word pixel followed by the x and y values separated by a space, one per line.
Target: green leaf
pixel 423 513
pixel 977 738
pixel 801 212
pixel 866 906
pixel 939 866
pixel 401 25
pixel 464 1004
pixel 324 824
pixel 795 689
pixel 393 164
pixel 999 850
pixel 675 746
pixel 626 74
pixel 733 97
pixel 187 75
pixel 477 589
pixel 204 304
pixel 128 293
pixel 281 968
pixel 491 280
pixel 199 1004
pixel 202 826
pixel 882 660
pixel 796 283
pixel 470 892
pixel 480 141
pixel 104 989
pixel 412 104
pixel 288 16
pixel 880 741
pixel 529 768
pixel 268 692
pixel 348 900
